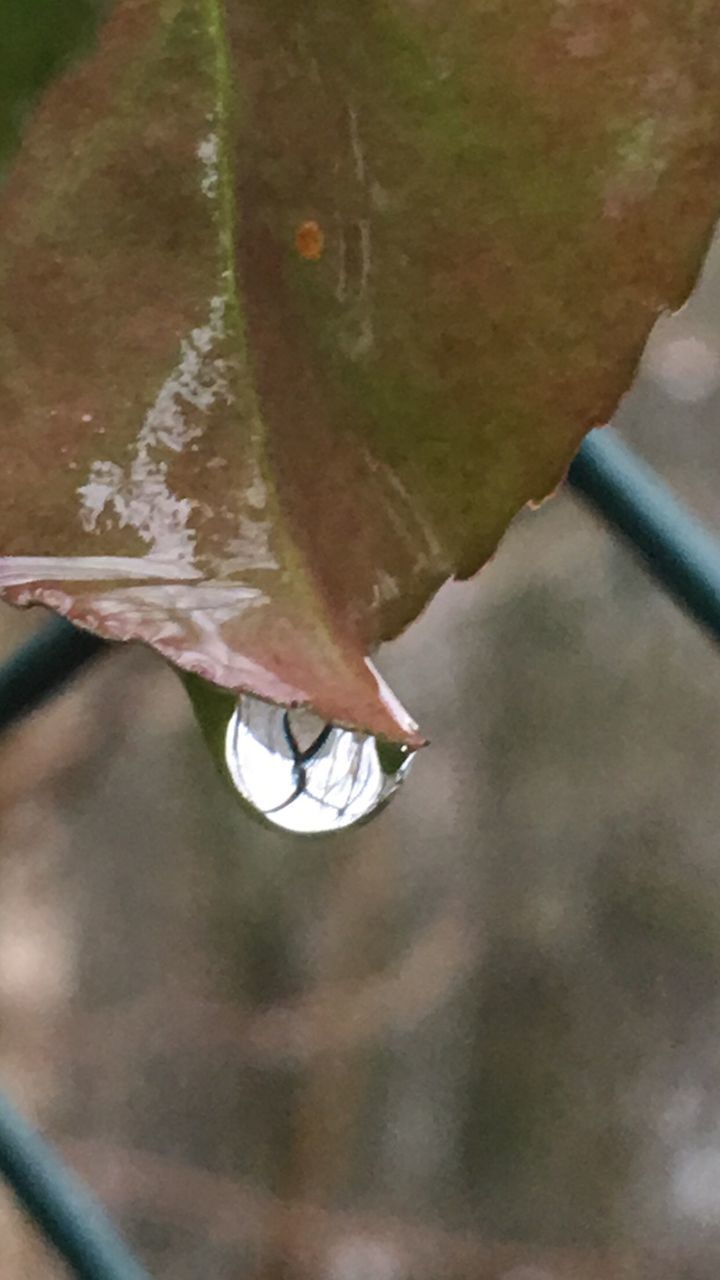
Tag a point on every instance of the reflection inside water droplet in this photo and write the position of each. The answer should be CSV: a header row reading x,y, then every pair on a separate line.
x,y
306,776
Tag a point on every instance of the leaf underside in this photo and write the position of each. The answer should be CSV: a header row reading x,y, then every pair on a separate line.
x,y
301,302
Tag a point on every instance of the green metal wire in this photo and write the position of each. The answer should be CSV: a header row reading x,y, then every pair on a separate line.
x,y
674,545
42,666
58,1203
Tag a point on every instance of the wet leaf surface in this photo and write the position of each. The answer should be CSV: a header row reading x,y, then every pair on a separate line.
x,y
301,304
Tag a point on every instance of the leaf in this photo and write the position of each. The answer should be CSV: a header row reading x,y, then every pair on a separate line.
x,y
302,302
34,47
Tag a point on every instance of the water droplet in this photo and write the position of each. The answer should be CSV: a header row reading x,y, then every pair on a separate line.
x,y
306,776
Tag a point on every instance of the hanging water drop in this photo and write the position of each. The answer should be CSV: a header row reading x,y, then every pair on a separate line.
x,y
306,776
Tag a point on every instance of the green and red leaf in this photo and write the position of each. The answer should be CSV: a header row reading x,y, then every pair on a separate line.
x,y
301,302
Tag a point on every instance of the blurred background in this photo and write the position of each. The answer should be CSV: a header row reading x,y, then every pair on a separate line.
x,y
479,1037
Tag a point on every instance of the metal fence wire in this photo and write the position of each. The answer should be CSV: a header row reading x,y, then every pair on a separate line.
x,y
676,549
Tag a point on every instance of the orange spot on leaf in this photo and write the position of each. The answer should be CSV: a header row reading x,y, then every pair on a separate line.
x,y
310,240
